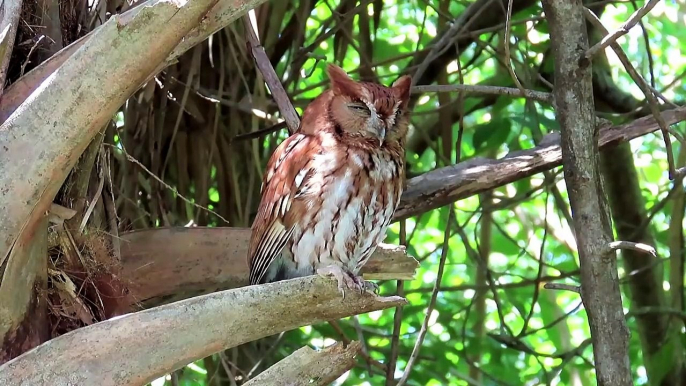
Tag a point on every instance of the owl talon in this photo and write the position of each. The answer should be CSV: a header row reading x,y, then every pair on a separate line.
x,y
347,280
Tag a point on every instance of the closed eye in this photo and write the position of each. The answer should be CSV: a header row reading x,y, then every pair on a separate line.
x,y
359,108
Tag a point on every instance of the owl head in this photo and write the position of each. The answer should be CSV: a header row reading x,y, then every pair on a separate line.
x,y
366,113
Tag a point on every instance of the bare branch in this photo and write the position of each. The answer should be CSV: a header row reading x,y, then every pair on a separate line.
x,y
642,84
638,247
270,78
634,19
432,302
136,348
563,287
573,92
190,261
488,90
438,187
307,367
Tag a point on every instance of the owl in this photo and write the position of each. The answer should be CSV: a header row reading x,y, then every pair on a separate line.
x,y
330,190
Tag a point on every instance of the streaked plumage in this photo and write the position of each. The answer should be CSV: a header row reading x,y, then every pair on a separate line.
x,y
330,190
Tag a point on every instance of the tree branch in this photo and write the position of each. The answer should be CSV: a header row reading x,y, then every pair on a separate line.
x,y
634,19
136,348
573,93
441,186
270,78
487,90
307,367
190,261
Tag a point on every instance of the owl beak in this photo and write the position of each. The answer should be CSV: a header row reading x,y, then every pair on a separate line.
x,y
382,135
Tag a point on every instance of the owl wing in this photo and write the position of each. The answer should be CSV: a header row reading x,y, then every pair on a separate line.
x,y
287,171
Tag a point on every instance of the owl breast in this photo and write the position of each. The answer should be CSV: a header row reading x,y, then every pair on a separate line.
x,y
351,199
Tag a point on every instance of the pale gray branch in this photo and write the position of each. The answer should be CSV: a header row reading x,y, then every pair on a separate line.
x,y
638,247
307,367
137,348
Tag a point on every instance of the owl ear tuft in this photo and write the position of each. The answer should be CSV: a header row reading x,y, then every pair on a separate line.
x,y
341,83
402,87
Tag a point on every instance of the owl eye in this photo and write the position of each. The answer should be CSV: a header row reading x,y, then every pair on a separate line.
x,y
359,108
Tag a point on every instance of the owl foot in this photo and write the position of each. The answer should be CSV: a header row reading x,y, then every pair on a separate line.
x,y
347,280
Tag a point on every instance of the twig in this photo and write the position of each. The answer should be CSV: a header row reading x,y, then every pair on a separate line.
x,y
506,47
638,247
397,318
488,90
641,83
432,302
563,287
270,78
610,38
166,185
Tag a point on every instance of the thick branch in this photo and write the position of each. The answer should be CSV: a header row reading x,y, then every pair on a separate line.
x,y
307,367
44,137
573,93
221,15
438,187
10,12
188,261
136,348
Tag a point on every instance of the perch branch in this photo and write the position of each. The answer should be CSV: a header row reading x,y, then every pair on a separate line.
x,y
136,348
573,93
74,105
270,78
221,15
191,261
307,367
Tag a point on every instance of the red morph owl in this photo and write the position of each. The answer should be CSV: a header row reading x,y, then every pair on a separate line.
x,y
330,190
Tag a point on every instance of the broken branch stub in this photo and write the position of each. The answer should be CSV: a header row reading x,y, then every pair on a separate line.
x,y
137,348
307,367
190,261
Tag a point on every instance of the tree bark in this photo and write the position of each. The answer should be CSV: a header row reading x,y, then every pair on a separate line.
x,y
662,349
137,348
166,264
580,155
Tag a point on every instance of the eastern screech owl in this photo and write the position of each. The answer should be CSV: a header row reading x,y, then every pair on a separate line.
x,y
330,190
